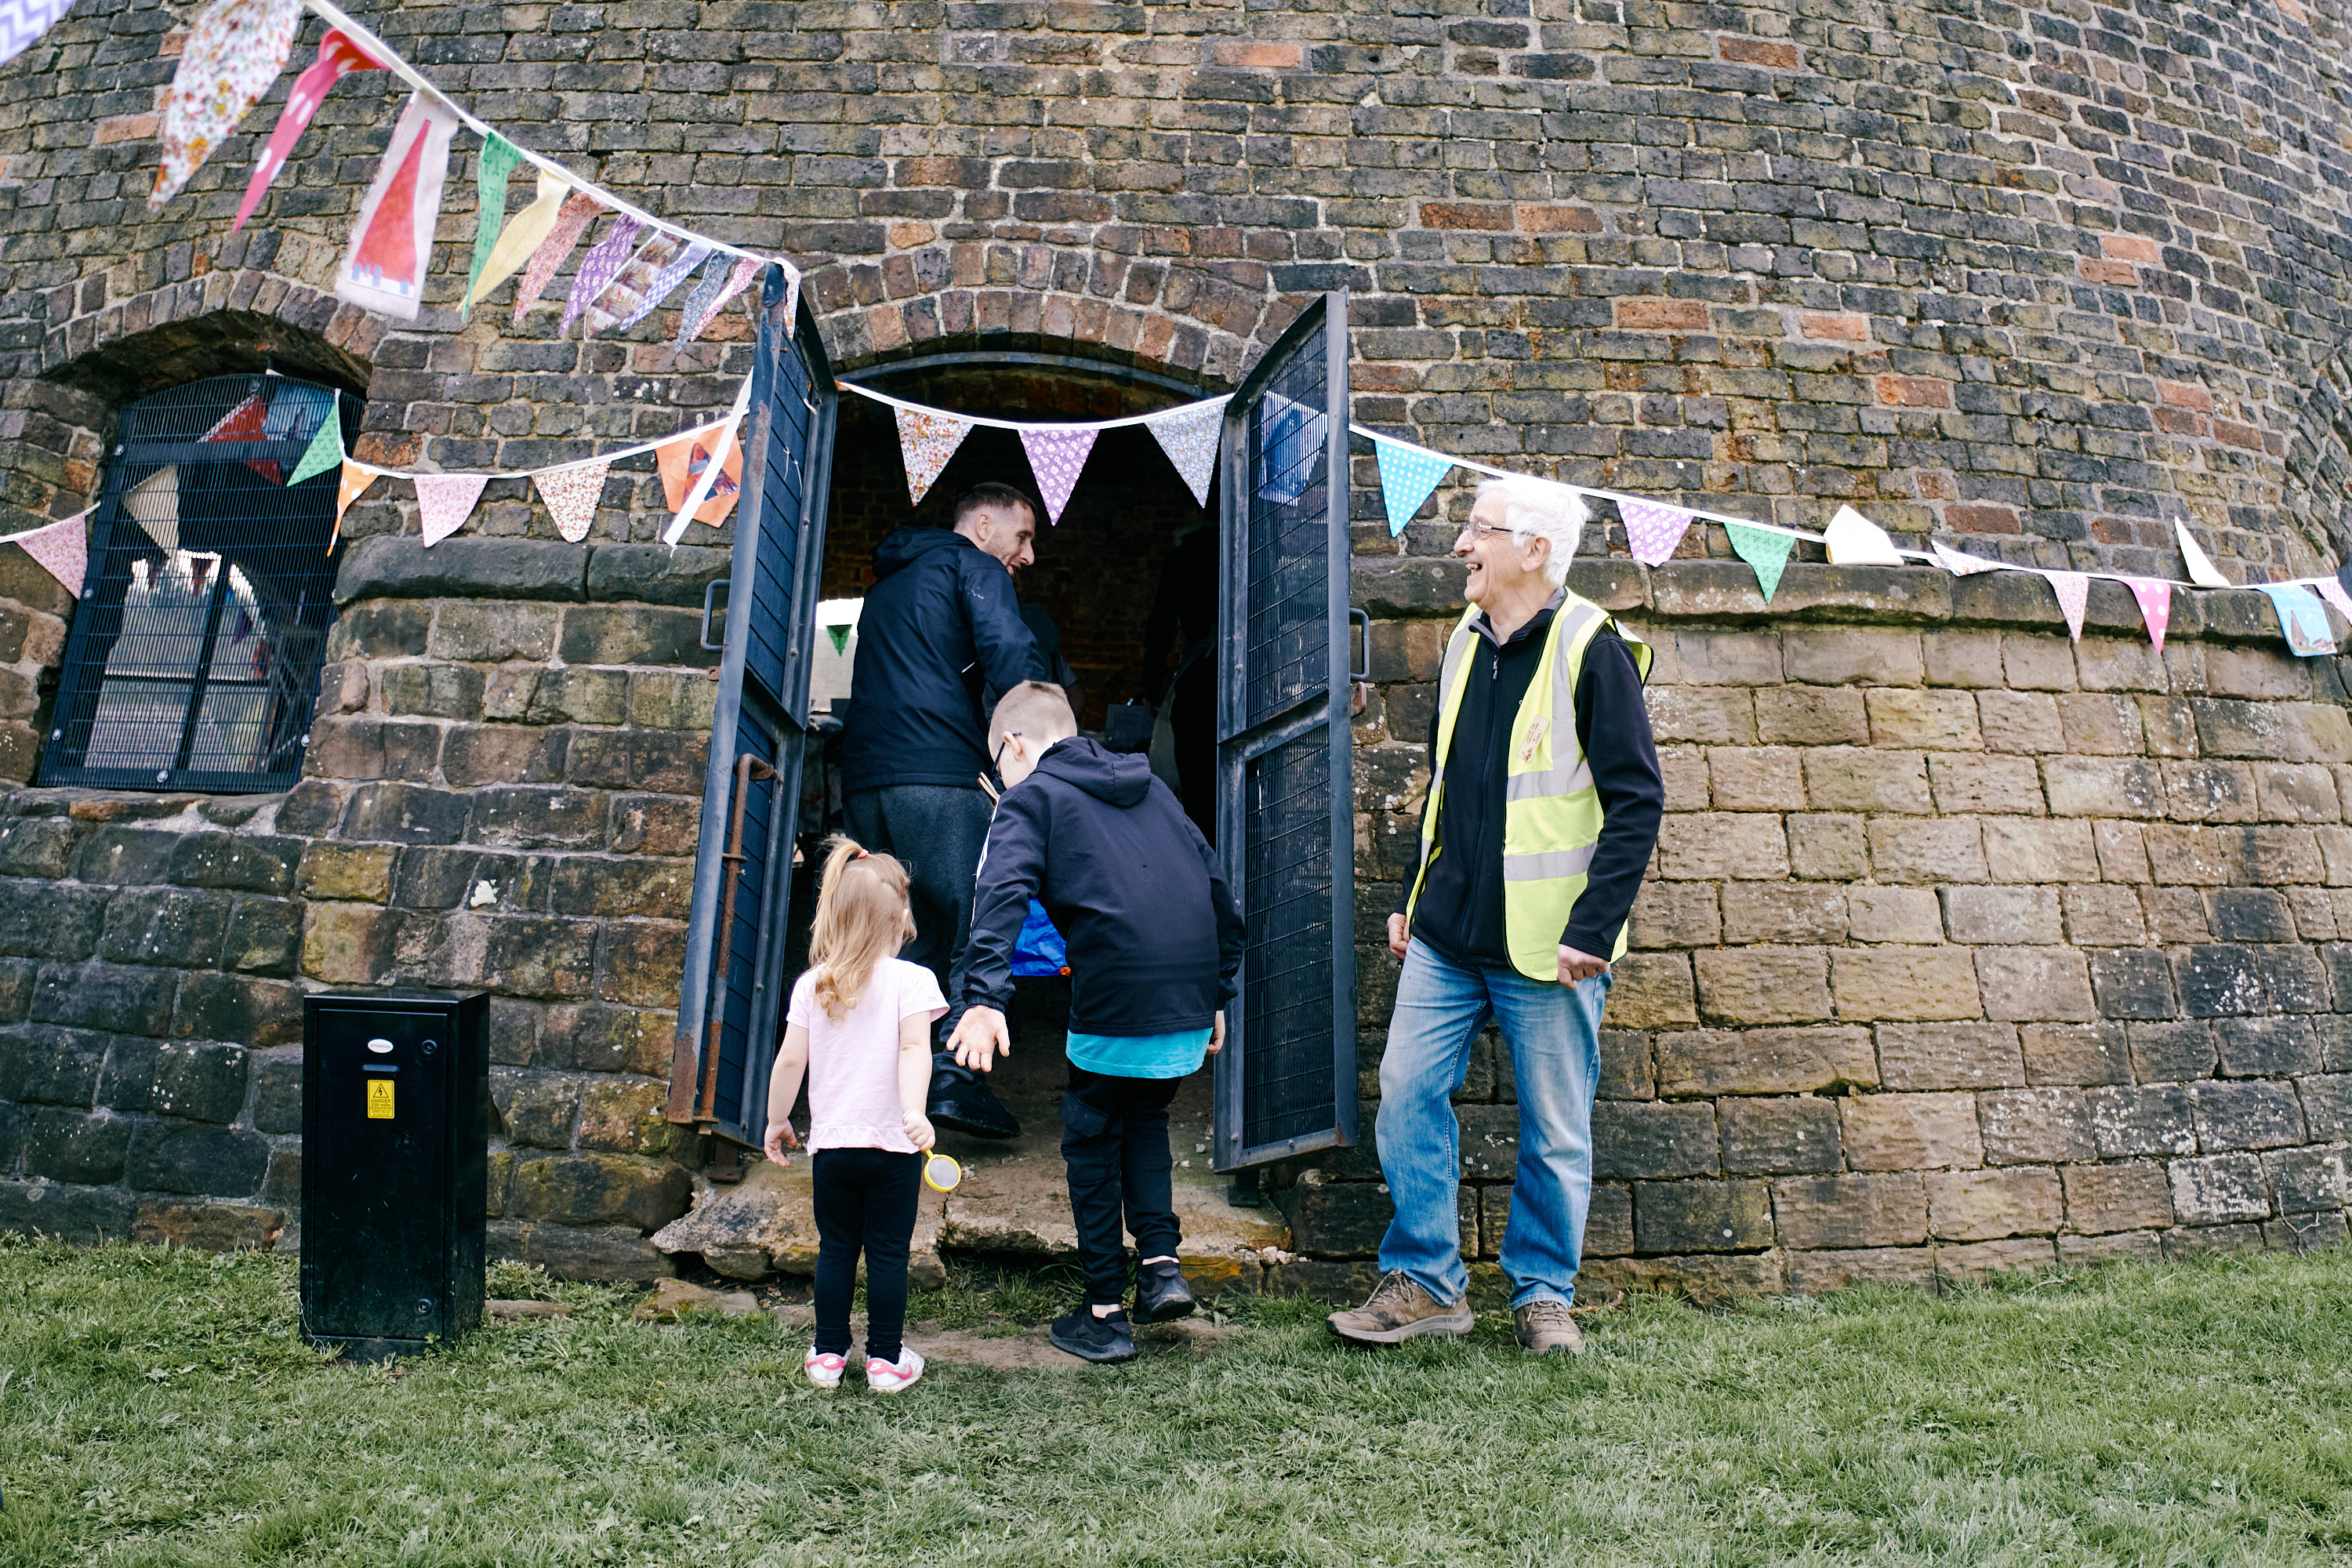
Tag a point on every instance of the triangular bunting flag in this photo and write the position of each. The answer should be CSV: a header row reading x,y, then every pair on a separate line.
x,y
1408,474
22,23
1189,437
660,265
792,294
1056,457
2200,570
62,549
338,58
746,268
598,268
1961,564
684,463
2302,618
926,440
153,504
2073,591
391,243
1854,541
1653,531
571,495
1766,550
495,160
840,635
444,502
572,221
2332,590
702,297
231,55
520,238
349,488
325,450
2155,596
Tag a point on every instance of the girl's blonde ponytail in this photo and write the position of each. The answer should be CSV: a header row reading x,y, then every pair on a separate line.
x,y
862,917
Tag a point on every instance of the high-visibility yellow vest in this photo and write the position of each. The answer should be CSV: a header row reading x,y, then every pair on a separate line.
x,y
1551,813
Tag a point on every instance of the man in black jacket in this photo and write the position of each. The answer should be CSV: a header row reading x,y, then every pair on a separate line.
x,y
939,639
1154,942
1540,725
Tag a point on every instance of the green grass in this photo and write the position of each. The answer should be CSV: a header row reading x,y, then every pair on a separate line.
x,y
156,1407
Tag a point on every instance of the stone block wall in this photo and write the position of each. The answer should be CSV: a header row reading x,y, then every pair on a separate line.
x,y
1965,946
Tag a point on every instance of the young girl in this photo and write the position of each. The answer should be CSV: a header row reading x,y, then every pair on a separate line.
x,y
860,1021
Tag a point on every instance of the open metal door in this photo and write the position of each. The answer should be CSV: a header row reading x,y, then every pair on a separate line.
x,y
1286,1078
731,995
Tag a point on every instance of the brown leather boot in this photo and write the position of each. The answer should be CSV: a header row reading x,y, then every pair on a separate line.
x,y
1399,1310
1543,1326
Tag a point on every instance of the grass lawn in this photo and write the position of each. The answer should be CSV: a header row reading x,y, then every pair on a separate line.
x,y
156,1407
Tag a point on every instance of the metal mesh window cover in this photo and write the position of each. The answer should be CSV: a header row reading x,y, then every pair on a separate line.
x,y
194,658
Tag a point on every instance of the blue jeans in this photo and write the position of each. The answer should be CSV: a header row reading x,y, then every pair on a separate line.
x,y
1554,1032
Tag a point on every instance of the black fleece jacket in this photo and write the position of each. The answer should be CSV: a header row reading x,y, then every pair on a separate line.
x,y
1461,909
1154,937
941,638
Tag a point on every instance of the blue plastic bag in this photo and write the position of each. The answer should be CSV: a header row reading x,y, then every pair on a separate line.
x,y
1039,950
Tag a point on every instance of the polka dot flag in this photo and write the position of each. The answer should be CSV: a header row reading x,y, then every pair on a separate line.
x,y
1407,476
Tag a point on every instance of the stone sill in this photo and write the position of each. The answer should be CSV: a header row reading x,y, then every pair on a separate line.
x,y
1720,592
88,804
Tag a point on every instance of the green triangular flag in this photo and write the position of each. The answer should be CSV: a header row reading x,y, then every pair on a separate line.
x,y
840,635
326,448
1765,550
498,160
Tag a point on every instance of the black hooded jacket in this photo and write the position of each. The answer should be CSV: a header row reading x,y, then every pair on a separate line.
x,y
1135,890
941,638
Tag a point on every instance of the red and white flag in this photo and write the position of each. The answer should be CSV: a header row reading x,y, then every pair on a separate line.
x,y
393,242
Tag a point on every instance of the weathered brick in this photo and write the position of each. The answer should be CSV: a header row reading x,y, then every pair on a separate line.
x,y
1800,716
1852,656
1976,1261
2103,1198
1910,1131
1763,986
1828,848
1894,914
2034,983
1691,1216
2019,721
1755,778
2218,1189
1651,990
1783,911
1856,1210
1763,1061
1977,1206
1948,1055
360,872
2103,916
1779,1137
1632,1138
1867,781
2308,1180
1711,846
2102,786
1927,851
1677,915
1988,783
2151,1121
2002,914
2074,1053
2244,1115
1905,983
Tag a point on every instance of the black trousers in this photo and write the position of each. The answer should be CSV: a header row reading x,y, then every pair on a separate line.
x,y
1115,1140
864,1199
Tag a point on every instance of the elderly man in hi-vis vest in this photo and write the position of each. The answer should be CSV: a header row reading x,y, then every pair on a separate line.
x,y
1544,801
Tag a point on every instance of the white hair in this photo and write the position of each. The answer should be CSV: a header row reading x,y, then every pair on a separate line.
x,y
1536,508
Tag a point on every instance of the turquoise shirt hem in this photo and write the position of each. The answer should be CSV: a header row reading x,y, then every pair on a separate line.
x,y
1179,1055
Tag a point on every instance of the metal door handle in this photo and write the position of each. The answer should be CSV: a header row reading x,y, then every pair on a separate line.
x,y
709,591
1362,620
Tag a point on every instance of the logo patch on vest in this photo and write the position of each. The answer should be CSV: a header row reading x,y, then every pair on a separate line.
x,y
1537,729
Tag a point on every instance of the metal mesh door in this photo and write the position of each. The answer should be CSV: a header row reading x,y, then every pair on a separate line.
x,y
718,1074
194,658
1285,1081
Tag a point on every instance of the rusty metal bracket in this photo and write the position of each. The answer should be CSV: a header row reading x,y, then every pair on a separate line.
x,y
747,768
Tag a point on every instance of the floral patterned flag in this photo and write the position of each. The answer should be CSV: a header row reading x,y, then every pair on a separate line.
x,y
338,58
2332,590
62,549
232,55
2073,591
352,485
2155,596
519,239
1653,531
1961,564
1189,437
2302,618
792,294
1058,454
22,22
571,495
1765,549
926,440
746,268
444,502
701,300
492,166
599,266
391,243
572,221
1408,474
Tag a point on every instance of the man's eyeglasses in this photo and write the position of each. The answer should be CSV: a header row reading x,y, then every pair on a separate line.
x,y
1474,526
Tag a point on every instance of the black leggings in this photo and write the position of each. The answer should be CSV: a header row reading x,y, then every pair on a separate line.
x,y
864,1198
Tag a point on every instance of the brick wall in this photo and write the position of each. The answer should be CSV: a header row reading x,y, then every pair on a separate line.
x,y
1964,947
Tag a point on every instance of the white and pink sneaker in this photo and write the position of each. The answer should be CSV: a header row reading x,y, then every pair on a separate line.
x,y
823,1370
883,1378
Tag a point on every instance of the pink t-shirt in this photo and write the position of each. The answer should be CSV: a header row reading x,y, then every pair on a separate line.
x,y
854,1063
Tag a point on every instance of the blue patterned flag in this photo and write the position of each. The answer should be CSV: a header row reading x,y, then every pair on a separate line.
x,y
1407,476
1765,549
2302,618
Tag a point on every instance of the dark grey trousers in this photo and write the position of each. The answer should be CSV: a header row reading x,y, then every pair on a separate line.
x,y
938,830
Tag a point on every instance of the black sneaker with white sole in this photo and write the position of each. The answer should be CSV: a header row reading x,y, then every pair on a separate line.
x,y
1090,1337
1161,1296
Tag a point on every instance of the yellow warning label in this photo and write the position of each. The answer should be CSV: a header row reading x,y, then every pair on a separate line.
x,y
378,1100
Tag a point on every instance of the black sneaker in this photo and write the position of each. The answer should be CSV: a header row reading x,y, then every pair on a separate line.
x,y
1161,1294
960,1101
1090,1337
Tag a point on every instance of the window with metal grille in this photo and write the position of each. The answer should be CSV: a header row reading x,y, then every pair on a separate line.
x,y
194,658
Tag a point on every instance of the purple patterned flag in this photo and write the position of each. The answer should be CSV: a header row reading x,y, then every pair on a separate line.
x,y
1058,454
22,22
599,266
1653,531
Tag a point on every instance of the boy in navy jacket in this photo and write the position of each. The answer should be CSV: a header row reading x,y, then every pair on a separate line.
x,y
1154,943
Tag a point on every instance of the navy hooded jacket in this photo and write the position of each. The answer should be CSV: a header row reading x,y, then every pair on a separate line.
x,y
1135,890
939,640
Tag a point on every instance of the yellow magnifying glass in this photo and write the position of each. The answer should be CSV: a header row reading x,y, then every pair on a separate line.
x,y
941,1174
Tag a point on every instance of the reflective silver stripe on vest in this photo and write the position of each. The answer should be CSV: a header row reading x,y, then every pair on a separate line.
x,y
1551,863
1548,785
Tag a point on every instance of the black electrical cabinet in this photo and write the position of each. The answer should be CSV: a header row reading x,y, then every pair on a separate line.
x,y
396,1152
